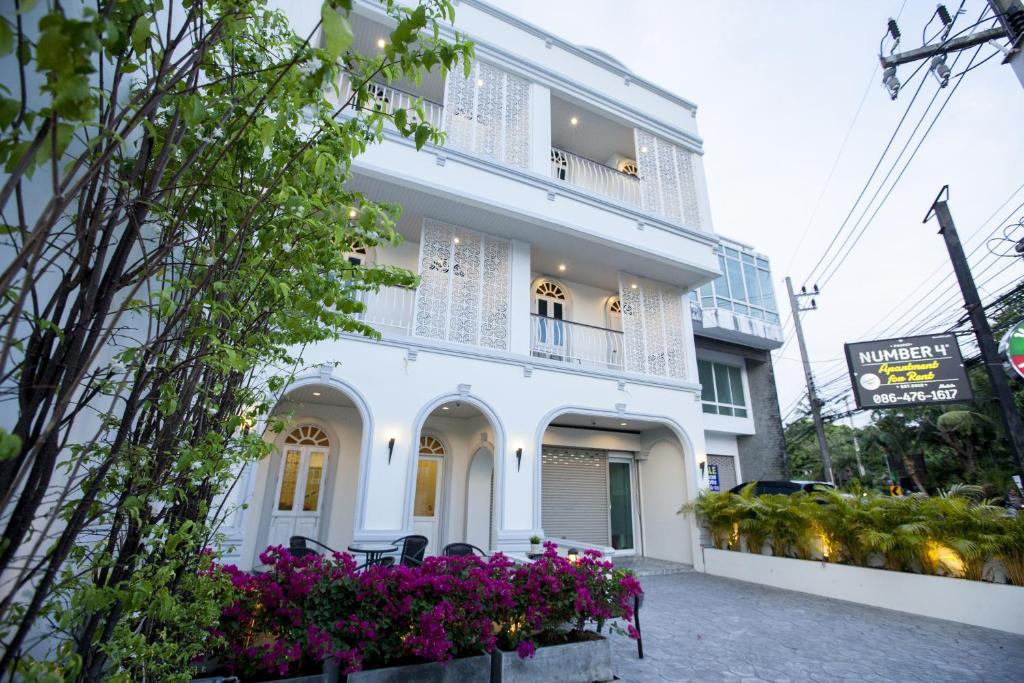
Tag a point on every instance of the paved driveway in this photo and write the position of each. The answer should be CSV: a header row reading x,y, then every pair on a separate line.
x,y
705,628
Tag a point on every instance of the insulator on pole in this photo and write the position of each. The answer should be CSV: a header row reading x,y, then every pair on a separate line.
x,y
894,30
944,15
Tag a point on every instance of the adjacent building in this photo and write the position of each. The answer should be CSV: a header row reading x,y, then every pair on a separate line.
x,y
584,353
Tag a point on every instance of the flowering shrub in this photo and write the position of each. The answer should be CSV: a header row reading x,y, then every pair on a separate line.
x,y
309,609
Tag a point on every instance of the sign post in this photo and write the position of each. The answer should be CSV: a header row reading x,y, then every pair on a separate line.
x,y
924,370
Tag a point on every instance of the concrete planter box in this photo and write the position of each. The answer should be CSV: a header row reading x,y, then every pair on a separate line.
x,y
991,605
590,660
469,669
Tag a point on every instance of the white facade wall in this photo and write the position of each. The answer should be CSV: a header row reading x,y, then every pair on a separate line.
x,y
399,384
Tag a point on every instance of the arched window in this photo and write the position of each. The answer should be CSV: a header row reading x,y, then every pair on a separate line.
x,y
302,470
629,167
431,446
550,300
358,256
613,313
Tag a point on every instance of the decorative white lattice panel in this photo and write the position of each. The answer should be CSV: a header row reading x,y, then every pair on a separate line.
x,y
667,183
489,114
466,279
652,326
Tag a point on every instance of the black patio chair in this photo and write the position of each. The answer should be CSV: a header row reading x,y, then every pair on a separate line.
x,y
462,550
414,547
297,546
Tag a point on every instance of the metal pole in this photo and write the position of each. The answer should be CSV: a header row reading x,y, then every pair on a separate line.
x,y
856,443
812,396
989,352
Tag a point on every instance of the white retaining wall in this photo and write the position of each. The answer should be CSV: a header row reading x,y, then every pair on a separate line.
x,y
978,603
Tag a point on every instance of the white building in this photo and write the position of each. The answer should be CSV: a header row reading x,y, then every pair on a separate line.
x,y
545,378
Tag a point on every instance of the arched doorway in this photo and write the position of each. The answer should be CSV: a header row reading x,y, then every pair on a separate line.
x,y
550,311
614,481
451,485
300,483
309,484
427,505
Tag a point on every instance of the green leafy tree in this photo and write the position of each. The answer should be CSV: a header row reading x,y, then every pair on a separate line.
x,y
175,221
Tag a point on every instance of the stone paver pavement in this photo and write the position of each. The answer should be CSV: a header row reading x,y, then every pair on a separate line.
x,y
705,628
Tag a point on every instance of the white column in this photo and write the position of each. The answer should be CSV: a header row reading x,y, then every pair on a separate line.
x,y
519,495
519,299
540,129
701,186
381,505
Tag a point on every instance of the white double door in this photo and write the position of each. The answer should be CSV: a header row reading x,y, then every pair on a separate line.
x,y
299,499
426,513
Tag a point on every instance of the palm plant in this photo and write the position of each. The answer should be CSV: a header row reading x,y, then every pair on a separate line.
x,y
842,520
967,525
719,513
1009,549
898,531
787,522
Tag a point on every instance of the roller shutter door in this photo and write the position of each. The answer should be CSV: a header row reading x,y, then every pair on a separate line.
x,y
574,495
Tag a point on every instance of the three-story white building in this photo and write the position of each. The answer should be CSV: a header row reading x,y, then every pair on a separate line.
x,y
569,365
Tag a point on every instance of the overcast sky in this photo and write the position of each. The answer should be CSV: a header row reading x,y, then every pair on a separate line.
x,y
778,85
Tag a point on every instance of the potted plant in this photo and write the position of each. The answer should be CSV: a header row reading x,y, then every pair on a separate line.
x,y
546,636
535,545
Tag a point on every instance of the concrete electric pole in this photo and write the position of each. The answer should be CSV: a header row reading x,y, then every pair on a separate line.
x,y
856,442
1010,14
1012,421
812,396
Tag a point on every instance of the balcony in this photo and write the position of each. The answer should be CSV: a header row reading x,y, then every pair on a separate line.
x,y
389,310
576,343
388,98
597,178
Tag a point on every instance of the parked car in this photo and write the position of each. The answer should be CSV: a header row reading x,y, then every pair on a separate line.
x,y
784,487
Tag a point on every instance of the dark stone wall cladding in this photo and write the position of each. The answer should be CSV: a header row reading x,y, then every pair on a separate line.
x,y
763,454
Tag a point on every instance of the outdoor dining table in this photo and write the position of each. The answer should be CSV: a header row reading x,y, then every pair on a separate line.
x,y
374,552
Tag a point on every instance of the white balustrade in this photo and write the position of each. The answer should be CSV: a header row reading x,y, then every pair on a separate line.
x,y
389,310
576,343
387,99
603,180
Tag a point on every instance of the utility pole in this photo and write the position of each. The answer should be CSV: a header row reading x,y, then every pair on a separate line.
x,y
856,443
1010,14
1012,421
812,396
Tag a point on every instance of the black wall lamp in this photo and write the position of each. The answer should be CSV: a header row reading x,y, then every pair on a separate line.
x,y
391,448
519,458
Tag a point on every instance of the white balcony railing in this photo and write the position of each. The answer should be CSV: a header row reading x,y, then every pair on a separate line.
x,y
389,310
576,343
387,99
603,180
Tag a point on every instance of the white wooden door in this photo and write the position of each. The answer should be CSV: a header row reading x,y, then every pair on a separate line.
x,y
426,514
299,496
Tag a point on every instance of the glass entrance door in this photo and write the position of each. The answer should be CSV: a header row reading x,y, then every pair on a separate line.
x,y
620,503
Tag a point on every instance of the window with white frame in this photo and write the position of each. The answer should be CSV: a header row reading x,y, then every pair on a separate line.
x,y
721,388
745,286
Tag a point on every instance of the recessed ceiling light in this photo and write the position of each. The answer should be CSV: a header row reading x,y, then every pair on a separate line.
x,y
381,43
623,423
316,393
479,82
633,286
574,120
561,266
444,407
456,240
643,148
352,213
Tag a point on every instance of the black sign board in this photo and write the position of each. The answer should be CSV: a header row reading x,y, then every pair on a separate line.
x,y
925,370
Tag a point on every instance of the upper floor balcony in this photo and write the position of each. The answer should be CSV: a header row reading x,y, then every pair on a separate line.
x,y
497,295
525,141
